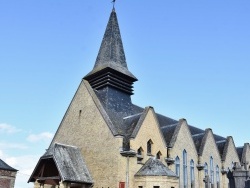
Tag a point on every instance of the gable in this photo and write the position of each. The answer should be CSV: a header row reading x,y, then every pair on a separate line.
x,y
148,129
182,140
230,154
209,148
61,163
84,111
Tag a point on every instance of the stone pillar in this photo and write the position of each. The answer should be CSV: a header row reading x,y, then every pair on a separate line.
x,y
64,184
206,180
37,185
239,177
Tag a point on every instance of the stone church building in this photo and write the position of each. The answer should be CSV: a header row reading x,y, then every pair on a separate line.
x,y
106,141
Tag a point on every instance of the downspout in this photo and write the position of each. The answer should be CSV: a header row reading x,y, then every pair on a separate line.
x,y
127,152
127,173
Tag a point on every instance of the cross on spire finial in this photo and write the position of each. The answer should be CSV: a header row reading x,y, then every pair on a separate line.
x,y
113,1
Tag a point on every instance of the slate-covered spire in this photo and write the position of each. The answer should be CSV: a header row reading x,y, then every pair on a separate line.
x,y
110,68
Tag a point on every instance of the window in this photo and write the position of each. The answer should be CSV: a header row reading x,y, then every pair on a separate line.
x,y
177,166
185,174
158,155
140,186
205,169
139,155
192,175
149,147
156,186
212,170
217,175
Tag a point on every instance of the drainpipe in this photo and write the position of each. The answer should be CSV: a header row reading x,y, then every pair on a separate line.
x,y
127,173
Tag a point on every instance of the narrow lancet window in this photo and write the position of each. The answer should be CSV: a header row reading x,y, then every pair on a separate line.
x,y
185,174
212,170
139,155
177,166
158,155
149,147
218,176
206,169
192,175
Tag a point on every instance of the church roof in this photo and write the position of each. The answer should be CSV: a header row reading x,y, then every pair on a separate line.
x,y
5,166
154,167
69,162
111,53
123,117
240,152
221,147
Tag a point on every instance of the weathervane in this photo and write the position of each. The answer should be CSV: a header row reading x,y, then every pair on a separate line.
x,y
113,1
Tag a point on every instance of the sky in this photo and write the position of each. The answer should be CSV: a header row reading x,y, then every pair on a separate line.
x,y
192,60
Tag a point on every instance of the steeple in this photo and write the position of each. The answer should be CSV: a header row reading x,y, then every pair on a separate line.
x,y
110,68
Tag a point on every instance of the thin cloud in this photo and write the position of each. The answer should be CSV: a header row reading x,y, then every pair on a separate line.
x,y
6,128
5,145
44,136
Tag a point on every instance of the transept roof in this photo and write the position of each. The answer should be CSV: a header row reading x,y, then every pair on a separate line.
x,y
154,167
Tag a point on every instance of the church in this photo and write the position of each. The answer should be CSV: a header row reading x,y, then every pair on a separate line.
x,y
106,141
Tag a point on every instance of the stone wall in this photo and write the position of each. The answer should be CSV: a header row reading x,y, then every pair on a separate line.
x,y
149,130
7,179
151,181
84,126
183,142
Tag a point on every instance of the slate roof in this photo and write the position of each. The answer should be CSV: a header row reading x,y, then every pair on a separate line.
x,y
111,53
123,114
221,145
197,138
125,118
240,152
154,167
69,162
168,132
5,166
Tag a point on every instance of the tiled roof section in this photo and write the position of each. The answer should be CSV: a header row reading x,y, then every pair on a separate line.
x,y
123,114
154,167
218,138
139,122
240,152
5,166
197,138
168,127
111,53
70,163
221,146
195,130
164,121
169,132
226,148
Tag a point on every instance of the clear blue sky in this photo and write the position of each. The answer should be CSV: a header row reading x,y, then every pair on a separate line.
x,y
192,59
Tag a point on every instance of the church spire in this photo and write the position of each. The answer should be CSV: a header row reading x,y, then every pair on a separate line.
x,y
110,68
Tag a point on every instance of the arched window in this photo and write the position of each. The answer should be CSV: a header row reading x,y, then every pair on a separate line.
x,y
212,170
192,175
217,175
158,155
177,166
149,147
205,169
185,174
